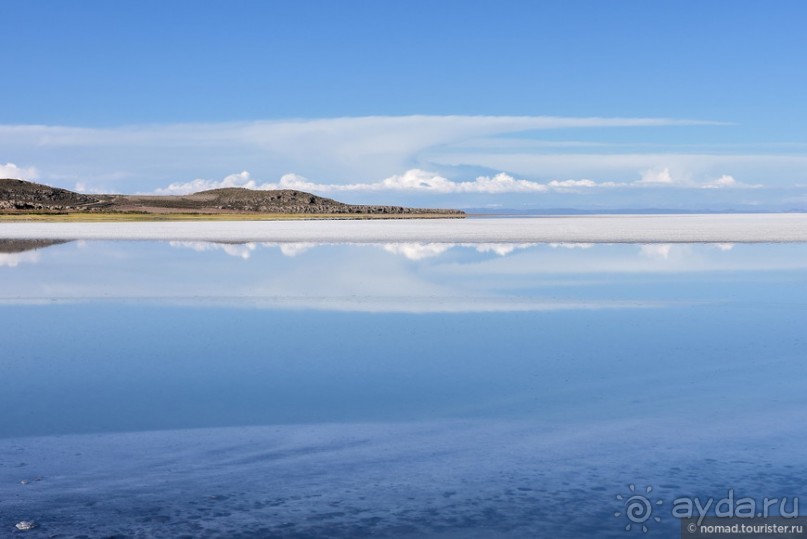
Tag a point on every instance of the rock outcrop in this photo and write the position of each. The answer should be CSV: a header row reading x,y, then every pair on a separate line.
x,y
21,196
27,196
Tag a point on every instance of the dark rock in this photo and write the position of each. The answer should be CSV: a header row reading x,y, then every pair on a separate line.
x,y
17,196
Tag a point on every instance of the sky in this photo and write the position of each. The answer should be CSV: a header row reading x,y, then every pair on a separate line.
x,y
507,104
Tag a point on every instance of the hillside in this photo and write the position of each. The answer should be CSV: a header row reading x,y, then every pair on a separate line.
x,y
21,195
17,196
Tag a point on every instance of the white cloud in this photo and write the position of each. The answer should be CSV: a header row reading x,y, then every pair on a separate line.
x,y
571,186
82,187
12,171
421,180
417,180
373,133
572,183
429,155
656,176
683,169
413,180
340,149
726,181
233,180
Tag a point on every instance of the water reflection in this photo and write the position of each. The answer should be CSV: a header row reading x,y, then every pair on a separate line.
x,y
12,260
410,250
24,250
16,252
397,389
238,250
396,276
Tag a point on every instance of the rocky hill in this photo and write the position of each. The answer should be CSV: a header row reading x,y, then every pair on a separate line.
x,y
17,196
22,195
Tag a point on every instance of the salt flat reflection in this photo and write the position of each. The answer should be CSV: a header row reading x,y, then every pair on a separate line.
x,y
16,252
229,383
410,250
390,277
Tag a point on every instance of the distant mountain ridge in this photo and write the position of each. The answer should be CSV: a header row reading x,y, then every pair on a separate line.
x,y
18,196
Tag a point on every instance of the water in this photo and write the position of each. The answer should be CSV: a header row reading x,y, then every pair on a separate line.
x,y
162,389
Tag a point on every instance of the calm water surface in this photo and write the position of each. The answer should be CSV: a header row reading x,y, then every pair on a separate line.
x,y
400,390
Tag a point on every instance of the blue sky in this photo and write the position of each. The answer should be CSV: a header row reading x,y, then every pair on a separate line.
x,y
650,104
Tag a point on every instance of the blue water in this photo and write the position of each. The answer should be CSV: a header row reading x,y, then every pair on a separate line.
x,y
248,390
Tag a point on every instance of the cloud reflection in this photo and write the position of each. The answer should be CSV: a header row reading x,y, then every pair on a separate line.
x,y
292,249
16,252
571,245
12,260
661,250
410,250
238,250
380,277
417,251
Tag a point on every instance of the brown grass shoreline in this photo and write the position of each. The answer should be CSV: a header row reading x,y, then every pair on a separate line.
x,y
158,217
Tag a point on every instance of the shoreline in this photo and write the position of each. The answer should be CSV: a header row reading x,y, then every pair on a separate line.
x,y
684,228
143,217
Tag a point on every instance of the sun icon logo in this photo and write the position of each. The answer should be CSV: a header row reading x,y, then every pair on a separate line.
x,y
638,508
